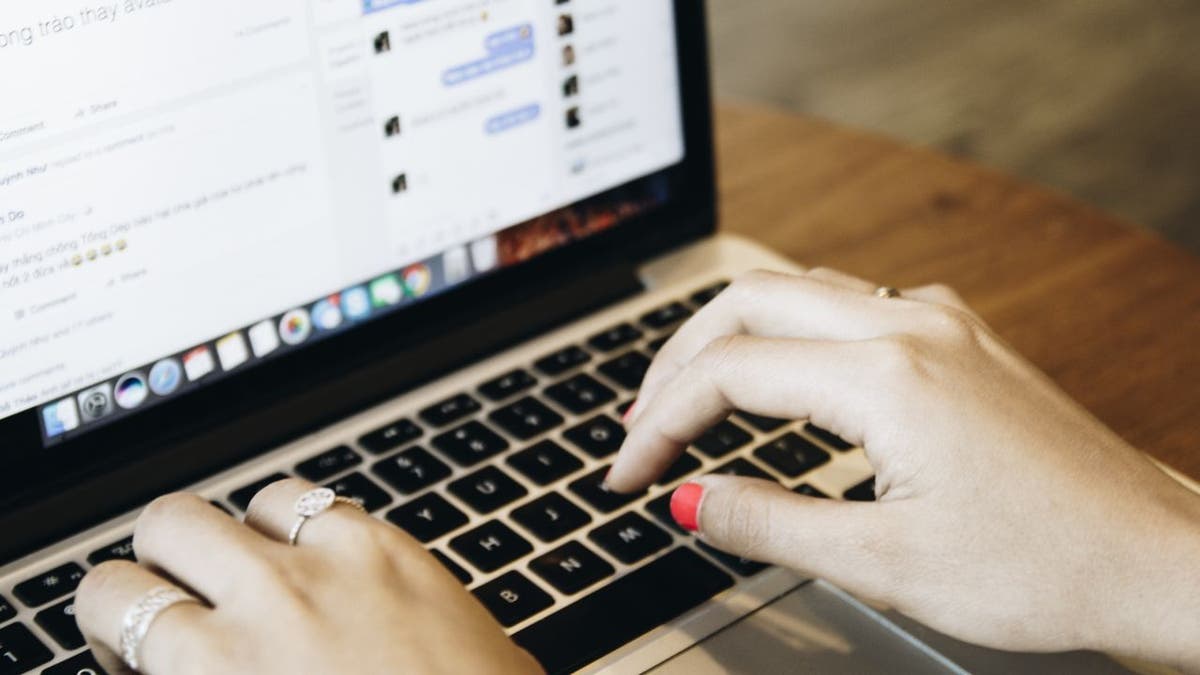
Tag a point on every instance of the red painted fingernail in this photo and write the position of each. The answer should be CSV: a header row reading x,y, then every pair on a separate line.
x,y
629,412
685,506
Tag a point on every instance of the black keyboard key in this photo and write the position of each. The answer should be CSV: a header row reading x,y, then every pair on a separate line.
x,y
615,337
563,360
451,410
767,424
463,576
627,370
120,550
744,468
59,622
328,464
526,418
599,437
390,437
655,346
591,489
705,295
686,464
7,611
863,492
828,437
360,488
666,316
660,508
80,664
580,394
490,546
487,489
470,444
20,651
50,585
545,462
512,598
427,517
571,567
551,517
740,566
809,491
792,454
508,384
722,439
623,610
623,409
411,471
630,538
242,496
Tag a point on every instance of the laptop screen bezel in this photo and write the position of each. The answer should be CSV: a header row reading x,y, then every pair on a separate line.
x,y
35,474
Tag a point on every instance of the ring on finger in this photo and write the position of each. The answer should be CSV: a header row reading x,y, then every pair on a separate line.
x,y
312,504
887,292
141,616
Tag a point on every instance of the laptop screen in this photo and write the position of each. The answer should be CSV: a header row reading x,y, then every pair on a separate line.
x,y
189,188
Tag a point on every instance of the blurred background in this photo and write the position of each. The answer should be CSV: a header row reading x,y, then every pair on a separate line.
x,y
1097,98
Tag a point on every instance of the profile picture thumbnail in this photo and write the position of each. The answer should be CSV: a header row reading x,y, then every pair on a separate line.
x,y
568,55
383,43
566,24
400,184
573,119
571,86
392,126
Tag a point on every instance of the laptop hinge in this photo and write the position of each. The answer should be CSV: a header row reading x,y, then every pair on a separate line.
x,y
528,309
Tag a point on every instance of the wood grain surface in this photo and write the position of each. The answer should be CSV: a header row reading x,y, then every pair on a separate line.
x,y
1111,312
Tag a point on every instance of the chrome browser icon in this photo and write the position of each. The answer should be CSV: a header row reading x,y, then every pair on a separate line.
x,y
295,327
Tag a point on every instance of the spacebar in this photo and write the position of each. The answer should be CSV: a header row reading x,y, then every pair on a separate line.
x,y
627,608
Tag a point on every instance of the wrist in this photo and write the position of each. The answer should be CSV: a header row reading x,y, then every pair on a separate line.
x,y
1155,609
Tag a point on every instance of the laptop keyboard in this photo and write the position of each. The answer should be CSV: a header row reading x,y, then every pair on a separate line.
x,y
504,485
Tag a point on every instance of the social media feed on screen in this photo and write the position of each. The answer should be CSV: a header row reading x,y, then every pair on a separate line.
x,y
253,177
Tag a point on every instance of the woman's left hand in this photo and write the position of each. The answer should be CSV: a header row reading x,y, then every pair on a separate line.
x,y
354,595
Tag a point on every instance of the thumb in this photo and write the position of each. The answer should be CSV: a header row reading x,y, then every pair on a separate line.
x,y
847,543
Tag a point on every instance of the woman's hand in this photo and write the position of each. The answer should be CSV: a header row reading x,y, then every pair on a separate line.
x,y
1006,514
355,595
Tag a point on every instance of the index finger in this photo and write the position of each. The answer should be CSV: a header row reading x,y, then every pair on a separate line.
x,y
793,379
770,304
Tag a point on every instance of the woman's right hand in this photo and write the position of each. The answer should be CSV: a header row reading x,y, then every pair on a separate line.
x,y
1007,515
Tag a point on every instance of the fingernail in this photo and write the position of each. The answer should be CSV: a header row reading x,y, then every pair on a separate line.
x,y
629,412
685,506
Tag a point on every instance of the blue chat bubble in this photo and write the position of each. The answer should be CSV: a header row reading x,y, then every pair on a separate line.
x,y
513,118
488,65
505,48
509,38
370,6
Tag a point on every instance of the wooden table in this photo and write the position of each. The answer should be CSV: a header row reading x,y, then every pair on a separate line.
x,y
1110,311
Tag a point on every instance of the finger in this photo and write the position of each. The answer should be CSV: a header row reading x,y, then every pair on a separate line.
x,y
792,379
769,304
848,543
109,662
183,536
938,294
842,280
184,633
272,512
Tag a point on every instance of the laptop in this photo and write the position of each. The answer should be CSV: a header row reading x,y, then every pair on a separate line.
x,y
419,252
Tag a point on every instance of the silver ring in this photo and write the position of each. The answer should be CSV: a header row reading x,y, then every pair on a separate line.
x,y
312,504
139,618
886,292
